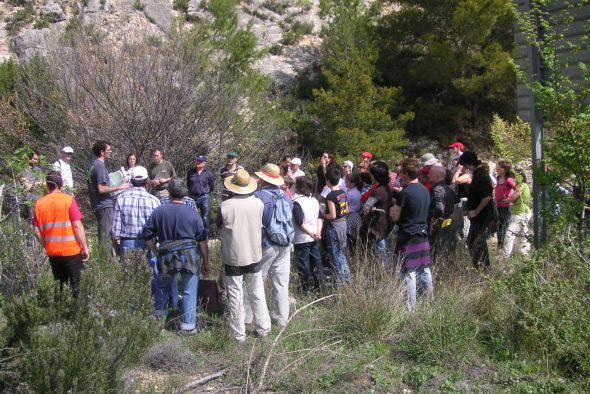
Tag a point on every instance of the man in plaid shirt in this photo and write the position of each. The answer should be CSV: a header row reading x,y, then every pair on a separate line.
x,y
132,209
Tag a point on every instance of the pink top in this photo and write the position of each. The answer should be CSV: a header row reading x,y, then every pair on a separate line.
x,y
504,190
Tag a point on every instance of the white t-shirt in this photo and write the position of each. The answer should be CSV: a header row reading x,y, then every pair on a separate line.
x,y
66,172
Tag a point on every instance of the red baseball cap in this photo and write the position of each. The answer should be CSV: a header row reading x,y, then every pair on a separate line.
x,y
457,145
368,155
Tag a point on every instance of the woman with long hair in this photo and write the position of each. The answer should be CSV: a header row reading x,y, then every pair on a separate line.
x,y
505,187
130,164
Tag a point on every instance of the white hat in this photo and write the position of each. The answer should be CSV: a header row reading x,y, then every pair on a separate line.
x,y
296,161
139,173
348,163
67,149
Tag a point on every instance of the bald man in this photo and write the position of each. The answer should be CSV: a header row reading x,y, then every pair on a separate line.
x,y
442,205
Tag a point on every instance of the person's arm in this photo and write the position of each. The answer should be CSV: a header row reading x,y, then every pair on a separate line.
x,y
331,214
438,202
116,227
81,237
219,218
103,189
152,246
211,182
517,193
204,248
320,224
38,235
482,204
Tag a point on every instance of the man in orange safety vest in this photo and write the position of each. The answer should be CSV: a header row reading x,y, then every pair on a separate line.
x,y
58,227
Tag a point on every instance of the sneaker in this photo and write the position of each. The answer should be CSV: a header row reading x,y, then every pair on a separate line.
x,y
188,332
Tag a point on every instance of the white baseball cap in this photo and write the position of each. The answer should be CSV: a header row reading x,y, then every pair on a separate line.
x,y
67,149
296,161
140,173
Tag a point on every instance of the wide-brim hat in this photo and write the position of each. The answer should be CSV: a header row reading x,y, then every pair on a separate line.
x,y
428,159
240,183
271,174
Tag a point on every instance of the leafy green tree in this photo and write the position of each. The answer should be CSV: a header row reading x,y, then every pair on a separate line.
x,y
563,103
350,113
453,60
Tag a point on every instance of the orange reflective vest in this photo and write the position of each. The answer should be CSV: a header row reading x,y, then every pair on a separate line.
x,y
52,214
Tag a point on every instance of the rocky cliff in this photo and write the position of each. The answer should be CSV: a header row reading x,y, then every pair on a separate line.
x,y
287,30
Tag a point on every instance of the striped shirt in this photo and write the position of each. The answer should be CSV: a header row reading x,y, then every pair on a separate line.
x,y
189,202
132,209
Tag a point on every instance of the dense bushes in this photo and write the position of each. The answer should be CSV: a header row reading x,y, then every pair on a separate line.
x,y
59,344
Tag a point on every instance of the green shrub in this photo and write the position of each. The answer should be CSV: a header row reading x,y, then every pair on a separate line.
x,y
276,49
444,331
9,70
41,23
83,345
181,5
138,5
371,308
510,140
550,309
276,6
20,18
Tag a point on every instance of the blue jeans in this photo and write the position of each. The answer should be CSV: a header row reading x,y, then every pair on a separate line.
x,y
203,207
190,287
134,244
504,219
380,250
308,257
337,255
409,278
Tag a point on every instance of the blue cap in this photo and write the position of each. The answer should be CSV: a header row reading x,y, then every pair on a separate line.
x,y
202,158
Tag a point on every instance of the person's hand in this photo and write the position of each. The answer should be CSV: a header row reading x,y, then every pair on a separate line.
x,y
323,162
116,246
164,180
507,200
394,212
317,236
85,254
125,186
205,268
471,214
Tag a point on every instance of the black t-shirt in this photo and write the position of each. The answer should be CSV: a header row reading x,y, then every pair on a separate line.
x,y
338,197
414,201
480,188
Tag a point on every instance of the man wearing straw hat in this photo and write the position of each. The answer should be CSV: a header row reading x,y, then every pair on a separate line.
x,y
275,258
240,220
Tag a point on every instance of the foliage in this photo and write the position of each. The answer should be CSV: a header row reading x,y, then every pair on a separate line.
x,y
9,72
20,18
510,140
562,100
296,33
41,23
137,4
176,95
181,5
350,113
63,344
452,60
549,308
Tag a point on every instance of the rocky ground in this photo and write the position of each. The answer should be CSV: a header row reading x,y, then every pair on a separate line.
x,y
287,30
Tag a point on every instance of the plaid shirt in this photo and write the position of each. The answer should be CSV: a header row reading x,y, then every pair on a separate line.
x,y
132,209
189,202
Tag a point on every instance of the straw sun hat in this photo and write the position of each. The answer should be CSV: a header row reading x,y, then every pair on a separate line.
x,y
241,183
271,174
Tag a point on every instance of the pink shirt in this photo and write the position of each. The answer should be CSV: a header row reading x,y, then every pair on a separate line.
x,y
504,190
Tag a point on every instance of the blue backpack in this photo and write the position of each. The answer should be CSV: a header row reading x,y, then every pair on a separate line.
x,y
280,231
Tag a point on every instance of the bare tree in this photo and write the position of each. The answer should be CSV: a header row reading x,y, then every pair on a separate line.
x,y
147,92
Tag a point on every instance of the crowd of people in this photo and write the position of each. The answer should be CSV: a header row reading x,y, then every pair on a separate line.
x,y
409,216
